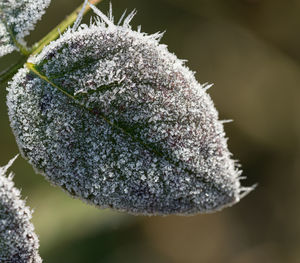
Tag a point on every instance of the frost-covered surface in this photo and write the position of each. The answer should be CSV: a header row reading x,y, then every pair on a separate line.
x,y
19,17
18,242
140,133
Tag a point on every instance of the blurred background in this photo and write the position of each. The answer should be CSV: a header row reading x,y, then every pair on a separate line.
x,y
250,50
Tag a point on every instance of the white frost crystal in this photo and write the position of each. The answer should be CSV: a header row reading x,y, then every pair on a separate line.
x,y
17,18
114,118
18,242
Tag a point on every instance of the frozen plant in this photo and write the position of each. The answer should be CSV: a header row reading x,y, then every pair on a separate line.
x,y
112,117
18,241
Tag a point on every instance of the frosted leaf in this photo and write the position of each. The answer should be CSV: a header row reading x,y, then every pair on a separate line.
x,y
17,18
112,117
18,242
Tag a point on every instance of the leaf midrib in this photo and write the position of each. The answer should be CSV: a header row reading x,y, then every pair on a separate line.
x,y
32,68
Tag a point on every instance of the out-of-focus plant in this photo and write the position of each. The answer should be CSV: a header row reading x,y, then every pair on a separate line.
x,y
18,242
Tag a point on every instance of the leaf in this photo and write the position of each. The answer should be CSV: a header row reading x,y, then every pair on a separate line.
x,y
18,242
111,116
17,18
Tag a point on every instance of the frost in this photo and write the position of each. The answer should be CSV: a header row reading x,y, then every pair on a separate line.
x,y
17,18
112,117
18,242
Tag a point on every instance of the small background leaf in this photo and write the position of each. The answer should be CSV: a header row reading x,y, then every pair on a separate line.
x,y
18,241
17,18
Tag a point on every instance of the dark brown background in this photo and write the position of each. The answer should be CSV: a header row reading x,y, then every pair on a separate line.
x,y
250,50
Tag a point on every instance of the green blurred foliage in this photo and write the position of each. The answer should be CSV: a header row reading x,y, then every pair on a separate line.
x,y
250,50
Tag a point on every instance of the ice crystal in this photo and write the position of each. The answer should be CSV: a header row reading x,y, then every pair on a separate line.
x,y
18,242
17,18
111,116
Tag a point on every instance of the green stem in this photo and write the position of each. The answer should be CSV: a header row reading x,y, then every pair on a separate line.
x,y
54,34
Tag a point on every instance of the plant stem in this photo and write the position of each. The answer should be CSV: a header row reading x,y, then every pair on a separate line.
x,y
54,33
